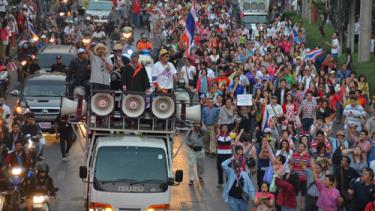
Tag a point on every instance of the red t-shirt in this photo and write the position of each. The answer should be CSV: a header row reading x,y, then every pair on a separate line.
x,y
136,7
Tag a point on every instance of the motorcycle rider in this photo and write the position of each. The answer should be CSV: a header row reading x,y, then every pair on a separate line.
x,y
32,128
18,157
143,44
5,107
14,136
58,66
41,183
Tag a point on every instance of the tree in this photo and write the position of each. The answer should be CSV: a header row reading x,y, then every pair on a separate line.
x,y
365,31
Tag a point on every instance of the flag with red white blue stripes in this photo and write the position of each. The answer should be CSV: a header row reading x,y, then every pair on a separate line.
x,y
311,55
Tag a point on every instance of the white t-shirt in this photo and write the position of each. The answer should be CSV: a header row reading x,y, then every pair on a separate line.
x,y
210,73
3,5
162,76
188,72
276,108
335,42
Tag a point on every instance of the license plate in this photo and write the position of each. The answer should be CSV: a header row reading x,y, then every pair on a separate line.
x,y
45,125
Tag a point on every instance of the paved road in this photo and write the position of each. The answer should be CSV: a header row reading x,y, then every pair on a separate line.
x,y
70,196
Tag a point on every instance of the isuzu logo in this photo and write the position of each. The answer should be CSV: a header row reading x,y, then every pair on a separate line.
x,y
137,189
44,111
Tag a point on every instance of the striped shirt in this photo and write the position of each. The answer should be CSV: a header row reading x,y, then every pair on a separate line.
x,y
224,144
311,188
295,161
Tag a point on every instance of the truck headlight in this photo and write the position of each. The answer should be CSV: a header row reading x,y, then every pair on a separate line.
x,y
100,207
158,207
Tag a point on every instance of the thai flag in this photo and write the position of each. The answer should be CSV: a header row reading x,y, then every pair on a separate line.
x,y
266,119
311,55
191,22
12,66
294,35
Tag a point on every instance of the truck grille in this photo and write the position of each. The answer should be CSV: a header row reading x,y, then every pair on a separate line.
x,y
45,111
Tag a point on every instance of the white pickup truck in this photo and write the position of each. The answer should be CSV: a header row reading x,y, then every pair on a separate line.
x,y
129,173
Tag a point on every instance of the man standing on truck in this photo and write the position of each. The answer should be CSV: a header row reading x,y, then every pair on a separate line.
x,y
196,155
101,67
134,75
163,73
79,70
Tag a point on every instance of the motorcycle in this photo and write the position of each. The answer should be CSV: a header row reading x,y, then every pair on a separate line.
x,y
31,148
16,176
41,201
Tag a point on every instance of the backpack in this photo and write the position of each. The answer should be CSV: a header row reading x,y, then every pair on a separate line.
x,y
337,155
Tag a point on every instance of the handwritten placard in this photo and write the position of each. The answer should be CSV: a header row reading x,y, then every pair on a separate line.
x,y
244,100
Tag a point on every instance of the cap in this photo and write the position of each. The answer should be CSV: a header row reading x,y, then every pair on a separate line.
x,y
275,97
340,133
58,57
163,51
298,57
43,36
81,50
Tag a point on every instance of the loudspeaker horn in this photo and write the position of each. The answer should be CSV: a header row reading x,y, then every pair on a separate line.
x,y
163,107
102,104
79,91
132,105
69,106
192,113
182,96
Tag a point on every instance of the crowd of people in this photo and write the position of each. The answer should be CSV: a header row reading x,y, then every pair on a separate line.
x,y
308,137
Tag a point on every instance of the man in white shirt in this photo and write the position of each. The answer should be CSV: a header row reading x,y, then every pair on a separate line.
x,y
163,73
274,109
188,72
335,46
3,7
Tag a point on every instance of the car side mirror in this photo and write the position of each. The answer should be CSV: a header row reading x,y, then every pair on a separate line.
x,y
15,93
179,176
83,172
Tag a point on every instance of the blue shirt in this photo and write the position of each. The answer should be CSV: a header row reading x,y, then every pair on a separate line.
x,y
230,174
210,116
343,74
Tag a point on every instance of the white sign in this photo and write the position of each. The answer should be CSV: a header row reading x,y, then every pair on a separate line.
x,y
244,100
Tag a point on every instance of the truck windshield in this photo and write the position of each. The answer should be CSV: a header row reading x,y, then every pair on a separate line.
x,y
130,164
248,19
44,89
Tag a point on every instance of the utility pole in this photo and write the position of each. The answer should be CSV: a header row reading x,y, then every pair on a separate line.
x,y
365,31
